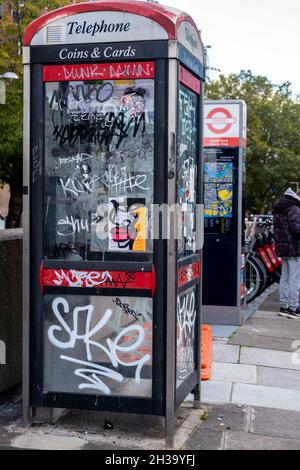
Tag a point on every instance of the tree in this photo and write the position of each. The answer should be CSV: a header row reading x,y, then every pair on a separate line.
x,y
273,149
16,16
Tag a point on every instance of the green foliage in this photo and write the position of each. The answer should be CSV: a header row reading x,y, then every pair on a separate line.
x,y
11,113
273,153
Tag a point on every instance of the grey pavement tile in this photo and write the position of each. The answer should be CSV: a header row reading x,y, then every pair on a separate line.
x,y
252,340
106,446
223,331
272,306
277,327
205,439
281,378
267,315
222,417
247,441
30,440
225,352
268,358
237,373
277,423
269,397
216,392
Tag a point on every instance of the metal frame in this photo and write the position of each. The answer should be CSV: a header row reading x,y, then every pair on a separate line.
x,y
26,244
149,405
171,282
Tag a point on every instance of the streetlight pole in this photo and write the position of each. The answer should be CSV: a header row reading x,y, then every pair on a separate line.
x,y
7,76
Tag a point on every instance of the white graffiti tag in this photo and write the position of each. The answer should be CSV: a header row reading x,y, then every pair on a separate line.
x,y
75,278
114,349
186,318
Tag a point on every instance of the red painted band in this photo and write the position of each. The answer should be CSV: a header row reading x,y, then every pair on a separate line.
x,y
188,273
97,279
108,71
189,80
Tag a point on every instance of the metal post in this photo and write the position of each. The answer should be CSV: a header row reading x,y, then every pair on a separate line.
x,y
26,243
171,260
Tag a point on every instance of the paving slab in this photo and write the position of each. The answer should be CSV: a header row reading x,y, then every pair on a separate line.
x,y
223,331
225,352
277,423
282,378
213,391
247,441
269,358
220,417
31,440
267,315
252,340
276,327
238,373
205,439
272,306
268,397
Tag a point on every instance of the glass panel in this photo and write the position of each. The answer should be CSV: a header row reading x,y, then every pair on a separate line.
x,y
187,167
98,345
186,321
99,150
219,171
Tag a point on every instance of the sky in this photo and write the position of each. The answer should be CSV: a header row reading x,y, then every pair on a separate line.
x,y
260,35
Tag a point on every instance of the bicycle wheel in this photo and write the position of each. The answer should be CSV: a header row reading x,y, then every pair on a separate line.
x,y
265,275
255,278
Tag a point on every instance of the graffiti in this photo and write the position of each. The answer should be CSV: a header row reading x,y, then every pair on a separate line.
x,y
112,178
120,178
76,186
186,318
87,72
78,159
138,70
127,224
96,278
188,273
77,278
77,96
99,146
114,350
126,309
100,132
36,164
72,225
187,111
187,167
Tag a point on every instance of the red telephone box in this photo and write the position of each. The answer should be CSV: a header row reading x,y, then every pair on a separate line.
x,y
113,98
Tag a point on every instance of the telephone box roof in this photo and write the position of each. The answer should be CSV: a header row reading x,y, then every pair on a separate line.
x,y
167,17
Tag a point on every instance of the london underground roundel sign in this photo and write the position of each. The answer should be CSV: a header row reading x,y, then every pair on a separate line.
x,y
221,124
220,120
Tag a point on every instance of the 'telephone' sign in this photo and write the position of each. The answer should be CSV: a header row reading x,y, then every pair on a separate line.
x,y
222,125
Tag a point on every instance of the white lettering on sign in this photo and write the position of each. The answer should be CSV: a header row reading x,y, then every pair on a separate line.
x,y
101,26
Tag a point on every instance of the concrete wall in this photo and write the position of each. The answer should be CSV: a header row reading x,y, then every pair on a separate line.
x,y
10,308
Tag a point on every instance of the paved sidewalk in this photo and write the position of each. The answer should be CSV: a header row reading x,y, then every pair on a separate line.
x,y
252,401
260,364
231,427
